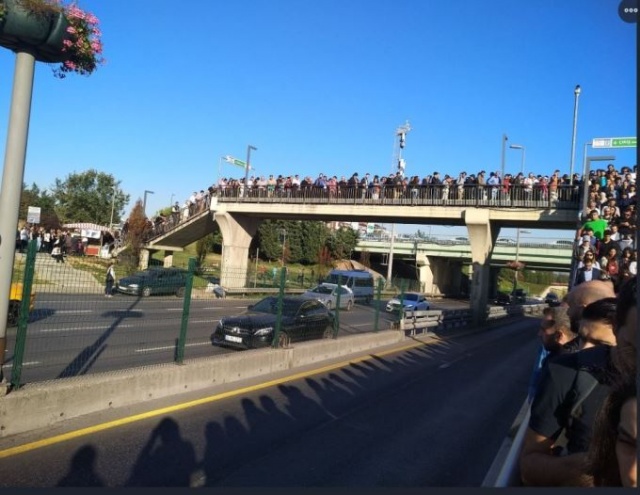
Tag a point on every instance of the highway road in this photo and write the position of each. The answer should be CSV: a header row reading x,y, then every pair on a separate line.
x,y
73,335
433,415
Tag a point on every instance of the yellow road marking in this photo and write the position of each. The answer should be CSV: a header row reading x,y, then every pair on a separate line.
x,y
27,447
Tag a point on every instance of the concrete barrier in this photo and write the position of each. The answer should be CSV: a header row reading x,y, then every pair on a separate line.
x,y
47,404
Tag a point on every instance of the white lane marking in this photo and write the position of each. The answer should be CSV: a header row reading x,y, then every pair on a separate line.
x,y
203,321
169,347
29,363
209,307
72,311
66,329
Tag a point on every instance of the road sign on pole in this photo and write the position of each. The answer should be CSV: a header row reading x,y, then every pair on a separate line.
x,y
615,142
235,161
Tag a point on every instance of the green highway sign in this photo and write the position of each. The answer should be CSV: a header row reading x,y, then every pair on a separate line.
x,y
234,161
616,142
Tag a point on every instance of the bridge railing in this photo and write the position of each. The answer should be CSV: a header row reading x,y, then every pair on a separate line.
x,y
566,197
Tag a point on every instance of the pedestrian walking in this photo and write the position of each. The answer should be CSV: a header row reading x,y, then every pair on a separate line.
x,y
110,280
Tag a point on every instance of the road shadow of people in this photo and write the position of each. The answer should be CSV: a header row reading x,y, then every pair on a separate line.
x,y
82,469
165,460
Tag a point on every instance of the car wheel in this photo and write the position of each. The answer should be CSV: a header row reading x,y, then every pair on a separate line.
x,y
283,340
180,292
349,305
146,291
328,333
14,313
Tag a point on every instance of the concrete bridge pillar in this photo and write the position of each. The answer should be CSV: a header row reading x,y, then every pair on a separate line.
x,y
168,258
143,264
481,240
425,274
237,233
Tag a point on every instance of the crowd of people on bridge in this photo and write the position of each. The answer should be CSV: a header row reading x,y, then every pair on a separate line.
x,y
480,186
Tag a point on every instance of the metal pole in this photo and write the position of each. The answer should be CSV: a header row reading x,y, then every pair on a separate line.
x,y
144,204
504,144
113,204
515,271
576,94
522,164
248,165
390,259
12,180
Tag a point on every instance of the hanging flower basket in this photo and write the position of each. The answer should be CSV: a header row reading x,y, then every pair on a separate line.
x,y
52,33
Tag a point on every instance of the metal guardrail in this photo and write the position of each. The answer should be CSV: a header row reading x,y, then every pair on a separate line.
x,y
417,322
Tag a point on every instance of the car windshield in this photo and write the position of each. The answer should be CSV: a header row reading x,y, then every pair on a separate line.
x,y
322,289
270,305
411,297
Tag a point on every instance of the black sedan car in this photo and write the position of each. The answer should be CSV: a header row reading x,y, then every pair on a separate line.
x,y
154,281
302,319
552,299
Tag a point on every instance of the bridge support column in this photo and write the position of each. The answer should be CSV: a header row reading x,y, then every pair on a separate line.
x,y
481,241
168,258
237,233
144,259
425,273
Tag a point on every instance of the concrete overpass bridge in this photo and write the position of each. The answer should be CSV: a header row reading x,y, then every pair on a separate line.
x,y
238,216
439,260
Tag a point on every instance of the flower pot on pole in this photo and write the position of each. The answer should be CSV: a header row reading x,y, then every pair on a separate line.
x,y
40,33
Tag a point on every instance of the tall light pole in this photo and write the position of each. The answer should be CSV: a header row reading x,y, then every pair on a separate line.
x,y
113,204
144,204
515,270
504,144
519,147
283,233
248,165
401,136
576,95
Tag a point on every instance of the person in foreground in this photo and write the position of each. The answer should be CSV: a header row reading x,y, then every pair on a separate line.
x,y
612,459
571,390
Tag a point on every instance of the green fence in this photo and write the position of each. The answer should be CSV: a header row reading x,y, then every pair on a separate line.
x,y
73,329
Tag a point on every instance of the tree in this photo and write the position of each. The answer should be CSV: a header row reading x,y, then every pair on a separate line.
x,y
137,229
89,197
342,242
33,196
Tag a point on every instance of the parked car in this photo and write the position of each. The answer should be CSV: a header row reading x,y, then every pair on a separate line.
x,y
506,240
15,300
552,299
327,294
155,280
503,299
519,296
302,319
412,301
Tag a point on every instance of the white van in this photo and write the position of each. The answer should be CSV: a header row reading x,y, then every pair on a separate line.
x,y
359,281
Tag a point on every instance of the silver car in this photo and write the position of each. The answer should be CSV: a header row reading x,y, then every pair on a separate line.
x,y
327,294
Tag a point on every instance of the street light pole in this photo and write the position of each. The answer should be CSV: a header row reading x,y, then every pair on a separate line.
x,y
283,233
576,95
113,204
519,147
248,165
504,144
515,271
144,204
401,134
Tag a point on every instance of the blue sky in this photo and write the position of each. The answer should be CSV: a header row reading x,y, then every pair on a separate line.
x,y
322,86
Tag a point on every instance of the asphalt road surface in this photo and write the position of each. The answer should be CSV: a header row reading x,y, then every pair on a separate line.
x,y
76,335
431,416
